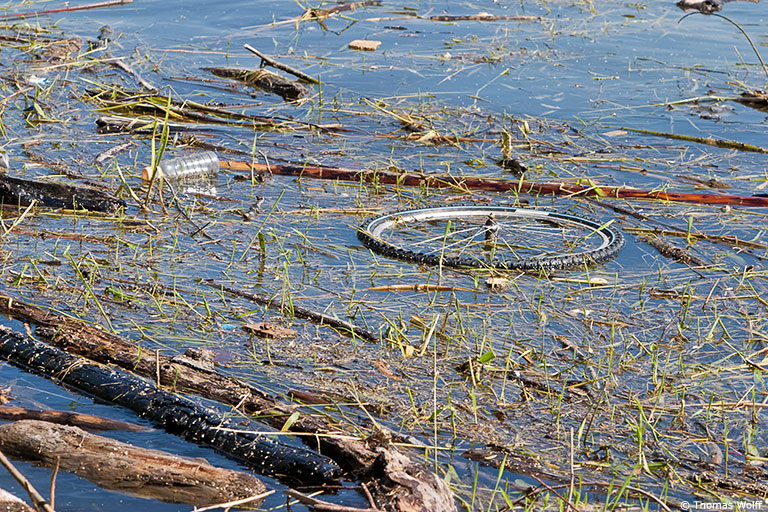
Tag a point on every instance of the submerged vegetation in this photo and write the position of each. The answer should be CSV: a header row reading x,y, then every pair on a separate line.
x,y
633,384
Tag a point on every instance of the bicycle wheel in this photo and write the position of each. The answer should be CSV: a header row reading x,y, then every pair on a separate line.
x,y
491,237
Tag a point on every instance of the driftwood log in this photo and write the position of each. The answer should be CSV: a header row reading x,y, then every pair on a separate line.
x,y
12,503
289,90
75,419
17,191
118,466
174,413
366,459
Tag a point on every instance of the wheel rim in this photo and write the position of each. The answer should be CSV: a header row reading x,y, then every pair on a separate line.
x,y
491,237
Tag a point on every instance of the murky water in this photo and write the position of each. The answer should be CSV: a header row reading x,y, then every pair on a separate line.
x,y
560,82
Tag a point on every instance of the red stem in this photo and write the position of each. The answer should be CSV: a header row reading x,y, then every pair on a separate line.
x,y
108,3
491,184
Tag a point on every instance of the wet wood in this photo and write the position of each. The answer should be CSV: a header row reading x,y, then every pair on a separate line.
x,y
289,90
76,419
673,252
119,466
356,455
121,124
414,179
18,191
408,485
175,413
483,16
150,104
11,503
755,99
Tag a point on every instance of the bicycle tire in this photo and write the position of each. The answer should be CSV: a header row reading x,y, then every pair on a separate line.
x,y
372,232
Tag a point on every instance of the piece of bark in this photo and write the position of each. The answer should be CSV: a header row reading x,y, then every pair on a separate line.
x,y
17,191
409,486
678,254
289,90
174,413
268,330
77,419
12,503
119,466
353,454
364,45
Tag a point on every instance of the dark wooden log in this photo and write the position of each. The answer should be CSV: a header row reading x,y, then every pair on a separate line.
x,y
17,191
357,455
119,466
81,338
76,419
174,413
289,90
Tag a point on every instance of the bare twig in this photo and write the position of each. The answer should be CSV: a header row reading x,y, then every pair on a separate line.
x,y
53,480
708,141
37,500
128,69
235,503
266,59
323,506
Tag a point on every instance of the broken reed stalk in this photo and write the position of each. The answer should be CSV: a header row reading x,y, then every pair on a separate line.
x,y
108,3
709,141
266,59
414,179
